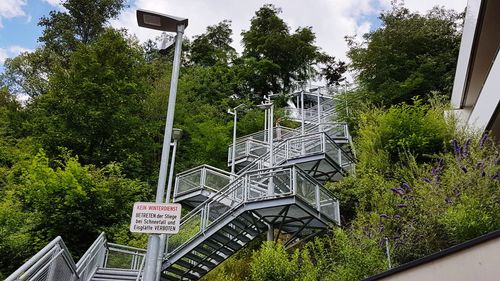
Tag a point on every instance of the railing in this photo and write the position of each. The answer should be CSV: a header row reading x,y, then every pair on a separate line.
x,y
53,262
92,259
248,148
254,185
279,133
311,144
124,257
199,178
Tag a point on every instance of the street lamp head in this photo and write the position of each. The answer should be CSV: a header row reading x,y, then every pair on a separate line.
x,y
264,105
159,21
176,134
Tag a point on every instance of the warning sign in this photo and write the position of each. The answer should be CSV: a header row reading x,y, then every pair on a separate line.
x,y
155,218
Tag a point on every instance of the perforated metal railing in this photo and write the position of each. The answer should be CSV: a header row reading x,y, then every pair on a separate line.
x,y
201,177
212,179
54,261
251,149
92,259
254,185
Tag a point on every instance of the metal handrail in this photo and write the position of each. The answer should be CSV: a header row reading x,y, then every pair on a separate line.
x,y
45,260
92,259
243,183
183,179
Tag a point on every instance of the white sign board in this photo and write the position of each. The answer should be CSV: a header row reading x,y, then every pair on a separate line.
x,y
155,218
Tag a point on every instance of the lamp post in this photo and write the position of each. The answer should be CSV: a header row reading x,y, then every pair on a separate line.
x,y
233,151
176,136
168,23
269,109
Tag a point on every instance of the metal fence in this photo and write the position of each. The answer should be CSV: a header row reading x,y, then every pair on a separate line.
x,y
254,185
54,261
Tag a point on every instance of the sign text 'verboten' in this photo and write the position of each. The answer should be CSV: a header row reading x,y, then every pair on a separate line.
x,y
156,218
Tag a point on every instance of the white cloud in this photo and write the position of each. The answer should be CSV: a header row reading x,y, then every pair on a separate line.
x,y
55,3
10,52
10,9
331,20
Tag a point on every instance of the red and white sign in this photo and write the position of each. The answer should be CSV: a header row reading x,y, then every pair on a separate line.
x,y
155,218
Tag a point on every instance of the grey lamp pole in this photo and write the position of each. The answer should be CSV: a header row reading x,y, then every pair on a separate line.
x,y
163,22
177,134
233,151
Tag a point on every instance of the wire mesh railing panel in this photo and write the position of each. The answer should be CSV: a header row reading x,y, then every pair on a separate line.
x,y
188,182
327,204
124,257
305,189
60,270
335,130
257,149
190,226
216,180
53,262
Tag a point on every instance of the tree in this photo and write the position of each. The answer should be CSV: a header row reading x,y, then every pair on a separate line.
x,y
43,200
276,58
95,107
214,46
409,55
82,22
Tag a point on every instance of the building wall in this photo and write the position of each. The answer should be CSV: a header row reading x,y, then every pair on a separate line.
x,y
478,263
475,96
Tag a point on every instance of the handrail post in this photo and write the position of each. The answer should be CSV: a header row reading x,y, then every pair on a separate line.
x,y
203,177
318,202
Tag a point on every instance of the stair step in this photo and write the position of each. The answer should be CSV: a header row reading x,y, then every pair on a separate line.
x,y
182,273
211,254
219,247
199,259
226,241
193,267
238,235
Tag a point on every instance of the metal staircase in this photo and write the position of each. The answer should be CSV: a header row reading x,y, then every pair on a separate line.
x,y
103,261
277,190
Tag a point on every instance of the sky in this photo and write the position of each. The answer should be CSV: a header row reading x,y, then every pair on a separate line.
x,y
331,20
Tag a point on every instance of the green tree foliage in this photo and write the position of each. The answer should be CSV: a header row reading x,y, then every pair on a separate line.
x,y
420,206
40,202
95,106
419,129
81,22
411,54
272,262
279,59
214,46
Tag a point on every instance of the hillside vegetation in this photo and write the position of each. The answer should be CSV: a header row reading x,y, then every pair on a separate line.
x,y
86,144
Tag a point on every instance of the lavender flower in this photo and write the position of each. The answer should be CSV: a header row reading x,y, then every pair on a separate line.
x,y
495,176
466,146
397,216
479,164
407,187
483,140
398,190
497,160
384,216
427,180
401,205
455,147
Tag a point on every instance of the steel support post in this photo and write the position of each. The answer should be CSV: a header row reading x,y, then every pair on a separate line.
x,y
163,237
233,162
154,239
